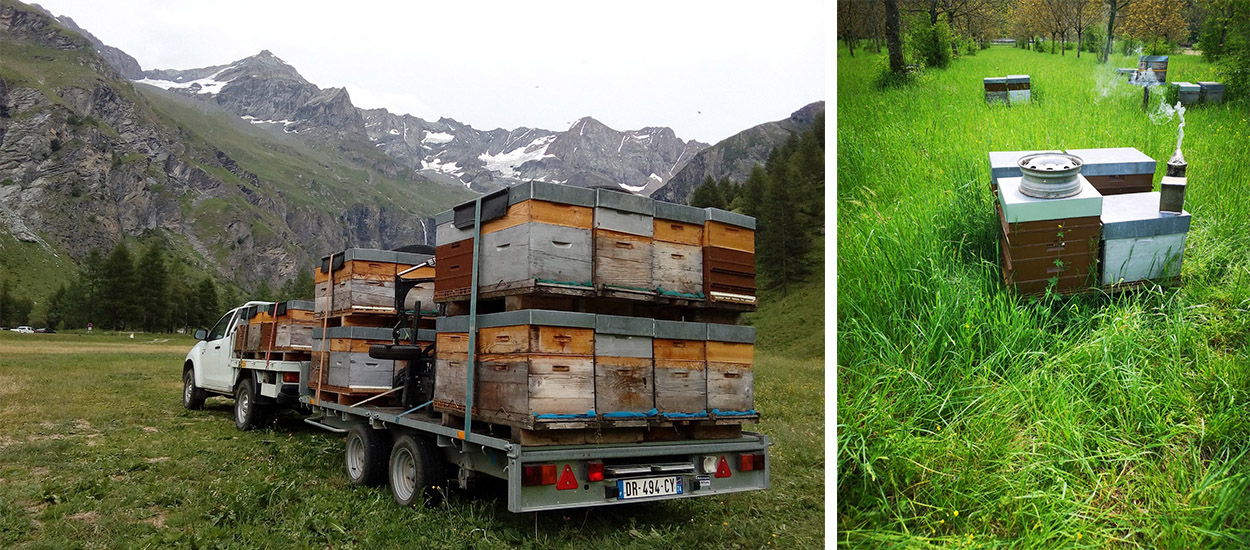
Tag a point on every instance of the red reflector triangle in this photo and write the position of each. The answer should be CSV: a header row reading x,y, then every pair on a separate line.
x,y
567,479
722,468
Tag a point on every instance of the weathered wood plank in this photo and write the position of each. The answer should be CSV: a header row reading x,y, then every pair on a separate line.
x,y
730,352
622,259
730,386
623,384
670,231
724,235
680,386
677,267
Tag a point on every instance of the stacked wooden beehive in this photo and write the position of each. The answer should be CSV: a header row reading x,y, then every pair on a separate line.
x,y
1155,64
1011,89
355,308
281,331
599,331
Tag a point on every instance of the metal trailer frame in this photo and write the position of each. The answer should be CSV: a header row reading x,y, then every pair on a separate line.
x,y
503,459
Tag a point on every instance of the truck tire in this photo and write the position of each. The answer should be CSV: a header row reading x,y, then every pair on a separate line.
x,y
192,396
248,413
365,455
414,470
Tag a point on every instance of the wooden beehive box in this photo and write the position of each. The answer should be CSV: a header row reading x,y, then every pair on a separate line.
x,y
1117,170
293,325
680,351
995,89
1019,88
361,280
677,252
729,257
1212,92
257,317
342,354
1155,63
624,231
624,382
730,370
533,231
532,367
1049,243
1188,93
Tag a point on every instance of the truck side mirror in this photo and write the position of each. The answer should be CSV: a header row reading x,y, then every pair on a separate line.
x,y
201,334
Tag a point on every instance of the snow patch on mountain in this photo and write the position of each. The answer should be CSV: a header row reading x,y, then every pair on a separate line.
x,y
437,137
506,163
209,85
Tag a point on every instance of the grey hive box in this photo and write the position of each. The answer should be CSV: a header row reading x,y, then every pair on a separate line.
x,y
730,368
1139,242
680,350
1187,93
623,366
540,251
995,89
1117,170
1019,88
1212,92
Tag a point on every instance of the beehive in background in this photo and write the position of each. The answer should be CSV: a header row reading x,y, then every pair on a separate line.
x,y
729,257
361,280
1019,89
623,366
677,252
1212,92
340,357
995,89
730,370
1139,241
1049,243
1117,170
1157,64
624,232
1187,93
532,366
680,350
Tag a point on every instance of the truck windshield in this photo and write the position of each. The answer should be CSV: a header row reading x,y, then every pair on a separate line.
x,y
219,330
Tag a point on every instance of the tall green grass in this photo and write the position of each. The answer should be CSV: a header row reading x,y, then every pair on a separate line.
x,y
970,415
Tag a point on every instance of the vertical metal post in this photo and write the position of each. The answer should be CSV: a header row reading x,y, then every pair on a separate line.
x,y
468,387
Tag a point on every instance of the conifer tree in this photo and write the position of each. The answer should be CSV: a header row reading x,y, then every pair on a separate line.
x,y
752,193
153,281
708,194
118,304
782,242
206,303
299,287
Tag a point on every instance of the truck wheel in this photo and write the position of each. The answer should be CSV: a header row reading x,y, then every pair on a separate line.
x,y
365,455
414,470
248,414
192,397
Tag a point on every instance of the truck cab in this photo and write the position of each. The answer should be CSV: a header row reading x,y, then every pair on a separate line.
x,y
215,366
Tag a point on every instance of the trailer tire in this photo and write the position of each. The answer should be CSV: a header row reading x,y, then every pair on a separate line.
x,y
192,396
365,454
414,470
249,414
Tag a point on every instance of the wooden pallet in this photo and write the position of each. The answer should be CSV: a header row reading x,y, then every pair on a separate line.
x,y
359,319
532,294
600,433
348,396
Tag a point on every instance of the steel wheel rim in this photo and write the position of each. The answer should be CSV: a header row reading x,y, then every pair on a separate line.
x,y
355,457
245,403
403,474
186,388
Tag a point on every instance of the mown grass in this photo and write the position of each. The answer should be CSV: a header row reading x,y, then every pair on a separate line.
x,y
98,452
968,415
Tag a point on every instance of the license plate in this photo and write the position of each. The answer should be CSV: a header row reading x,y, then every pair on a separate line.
x,y
648,487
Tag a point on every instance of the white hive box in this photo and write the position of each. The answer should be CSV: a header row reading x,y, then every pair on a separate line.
x,y
1019,88
1139,242
1018,207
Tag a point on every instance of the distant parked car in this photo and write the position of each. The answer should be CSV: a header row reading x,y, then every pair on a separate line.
x,y
24,330
44,331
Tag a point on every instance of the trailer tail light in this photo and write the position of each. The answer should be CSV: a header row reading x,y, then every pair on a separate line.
x,y
290,377
567,479
538,474
594,471
749,462
722,468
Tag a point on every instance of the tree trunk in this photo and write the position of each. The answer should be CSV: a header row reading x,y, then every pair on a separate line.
x,y
1063,43
933,13
1106,52
850,45
892,40
1078,44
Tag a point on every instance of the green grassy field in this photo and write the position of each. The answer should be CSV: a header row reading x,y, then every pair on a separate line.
x,y
96,451
970,416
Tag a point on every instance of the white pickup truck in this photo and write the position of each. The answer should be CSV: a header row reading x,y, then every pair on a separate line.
x,y
213,367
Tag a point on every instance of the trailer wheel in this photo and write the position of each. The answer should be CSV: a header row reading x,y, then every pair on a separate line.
x,y
414,469
192,397
365,455
248,413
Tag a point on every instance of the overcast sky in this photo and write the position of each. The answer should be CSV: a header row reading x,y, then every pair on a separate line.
x,y
708,69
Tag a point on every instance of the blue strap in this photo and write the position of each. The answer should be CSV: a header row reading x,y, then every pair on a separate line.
x,y
718,412
700,414
627,414
589,414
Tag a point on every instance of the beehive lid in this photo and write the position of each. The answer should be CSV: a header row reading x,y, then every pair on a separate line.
x,y
679,212
1153,58
1186,86
1017,78
730,333
1005,164
624,326
730,218
423,335
444,217
625,202
293,305
1134,215
514,318
994,80
1114,161
1018,207
1210,85
551,192
679,330
372,255
452,324
353,333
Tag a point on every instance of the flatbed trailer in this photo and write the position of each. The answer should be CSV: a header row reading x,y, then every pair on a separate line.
x,y
421,449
